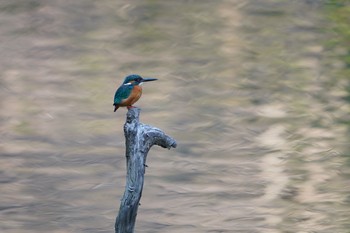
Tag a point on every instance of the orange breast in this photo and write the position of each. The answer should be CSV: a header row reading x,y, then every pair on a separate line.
x,y
134,96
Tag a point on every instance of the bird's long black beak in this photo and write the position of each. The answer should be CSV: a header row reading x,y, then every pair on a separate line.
x,y
148,79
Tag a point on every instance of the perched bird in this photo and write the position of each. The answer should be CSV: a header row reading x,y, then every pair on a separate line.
x,y
130,91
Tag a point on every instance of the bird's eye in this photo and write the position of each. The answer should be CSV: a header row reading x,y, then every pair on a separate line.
x,y
139,80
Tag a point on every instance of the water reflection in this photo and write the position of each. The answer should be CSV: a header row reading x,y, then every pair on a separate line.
x,y
253,92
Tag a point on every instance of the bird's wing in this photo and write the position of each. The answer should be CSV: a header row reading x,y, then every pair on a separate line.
x,y
123,92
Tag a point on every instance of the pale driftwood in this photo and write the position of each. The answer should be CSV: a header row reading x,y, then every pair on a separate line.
x,y
139,138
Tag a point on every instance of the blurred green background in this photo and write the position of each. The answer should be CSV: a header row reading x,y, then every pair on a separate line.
x,y
256,93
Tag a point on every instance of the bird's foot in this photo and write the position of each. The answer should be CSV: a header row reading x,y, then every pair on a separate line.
x,y
129,107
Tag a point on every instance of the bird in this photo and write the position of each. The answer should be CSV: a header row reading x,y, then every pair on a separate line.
x,y
130,91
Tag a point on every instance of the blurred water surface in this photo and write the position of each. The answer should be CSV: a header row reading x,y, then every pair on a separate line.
x,y
255,93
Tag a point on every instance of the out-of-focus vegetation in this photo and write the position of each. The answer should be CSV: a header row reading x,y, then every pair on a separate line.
x,y
339,14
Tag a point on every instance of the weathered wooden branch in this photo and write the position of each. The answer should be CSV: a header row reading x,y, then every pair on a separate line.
x,y
139,139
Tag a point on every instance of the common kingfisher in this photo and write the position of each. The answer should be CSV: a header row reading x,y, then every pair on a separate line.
x,y
130,91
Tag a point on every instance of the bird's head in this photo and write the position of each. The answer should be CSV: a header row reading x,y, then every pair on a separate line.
x,y
135,79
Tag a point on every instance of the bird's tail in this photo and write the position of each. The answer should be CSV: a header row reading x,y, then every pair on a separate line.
x,y
115,107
